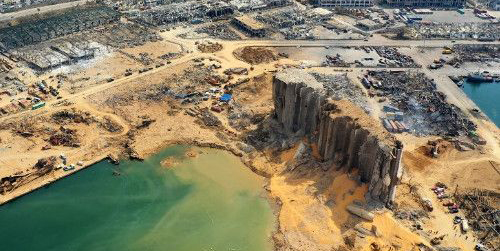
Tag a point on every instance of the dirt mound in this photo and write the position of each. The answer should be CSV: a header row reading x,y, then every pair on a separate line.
x,y
66,137
72,116
209,47
256,55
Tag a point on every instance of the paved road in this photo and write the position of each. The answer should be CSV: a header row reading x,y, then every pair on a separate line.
x,y
378,42
43,9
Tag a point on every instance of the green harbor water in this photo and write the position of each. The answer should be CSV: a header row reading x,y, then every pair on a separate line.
x,y
211,202
487,97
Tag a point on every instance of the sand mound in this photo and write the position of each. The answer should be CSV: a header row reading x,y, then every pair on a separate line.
x,y
256,55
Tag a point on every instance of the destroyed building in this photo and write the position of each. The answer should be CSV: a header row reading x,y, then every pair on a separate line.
x,y
40,30
427,3
189,11
344,3
283,18
344,133
426,110
256,5
250,26
485,31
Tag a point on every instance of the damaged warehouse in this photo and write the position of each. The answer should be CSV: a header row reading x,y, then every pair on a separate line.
x,y
190,11
36,31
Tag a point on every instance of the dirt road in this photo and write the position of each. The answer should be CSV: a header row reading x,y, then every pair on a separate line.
x,y
40,10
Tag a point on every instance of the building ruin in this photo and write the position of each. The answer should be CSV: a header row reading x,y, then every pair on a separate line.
x,y
345,3
427,3
44,29
344,134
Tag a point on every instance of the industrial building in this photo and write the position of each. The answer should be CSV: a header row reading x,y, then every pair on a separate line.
x,y
250,26
345,3
192,11
255,5
427,3
36,31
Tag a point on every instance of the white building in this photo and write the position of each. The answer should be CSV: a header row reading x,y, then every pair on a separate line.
x,y
345,3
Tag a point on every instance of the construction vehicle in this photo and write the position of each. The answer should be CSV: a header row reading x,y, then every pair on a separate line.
x,y
447,51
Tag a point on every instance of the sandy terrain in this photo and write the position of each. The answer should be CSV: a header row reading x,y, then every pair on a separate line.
x,y
311,199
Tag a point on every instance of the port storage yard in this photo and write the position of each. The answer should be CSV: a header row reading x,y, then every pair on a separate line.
x,y
355,118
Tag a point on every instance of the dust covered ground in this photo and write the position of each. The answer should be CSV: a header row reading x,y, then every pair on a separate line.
x,y
180,103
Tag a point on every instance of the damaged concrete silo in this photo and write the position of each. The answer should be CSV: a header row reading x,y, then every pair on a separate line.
x,y
343,132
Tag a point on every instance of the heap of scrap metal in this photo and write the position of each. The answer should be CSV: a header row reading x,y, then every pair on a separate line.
x,y
393,58
482,215
424,109
475,53
478,31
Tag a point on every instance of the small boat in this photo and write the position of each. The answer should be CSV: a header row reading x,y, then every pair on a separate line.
x,y
480,77
460,83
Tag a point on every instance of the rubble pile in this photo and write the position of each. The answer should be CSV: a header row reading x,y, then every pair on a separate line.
x,y
25,128
170,55
209,47
393,58
72,116
362,13
207,118
335,61
240,118
65,137
256,55
425,109
8,184
192,86
45,165
340,87
283,18
295,23
219,31
482,211
11,85
121,35
177,12
475,53
453,31
110,125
